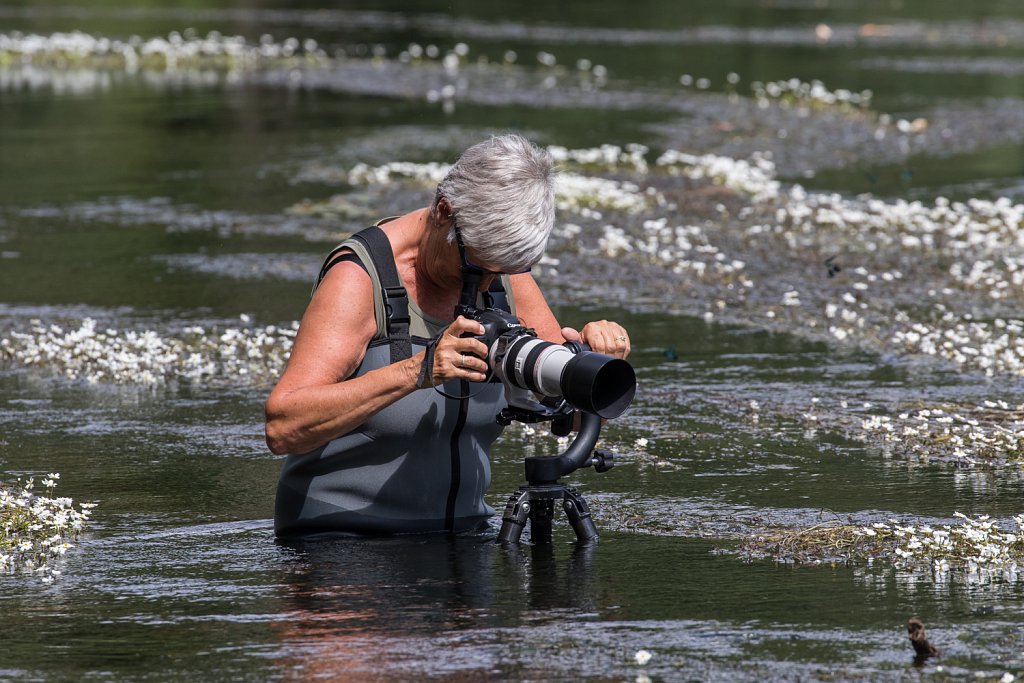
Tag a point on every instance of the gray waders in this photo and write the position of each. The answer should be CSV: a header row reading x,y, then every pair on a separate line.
x,y
421,464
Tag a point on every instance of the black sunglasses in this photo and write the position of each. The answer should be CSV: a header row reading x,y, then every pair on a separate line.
x,y
469,265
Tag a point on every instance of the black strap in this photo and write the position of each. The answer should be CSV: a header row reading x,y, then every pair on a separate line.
x,y
348,257
426,376
496,297
396,299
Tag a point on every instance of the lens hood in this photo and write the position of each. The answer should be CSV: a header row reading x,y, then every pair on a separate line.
x,y
598,384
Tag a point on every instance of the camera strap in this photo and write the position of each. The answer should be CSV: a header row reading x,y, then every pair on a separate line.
x,y
496,297
426,372
396,299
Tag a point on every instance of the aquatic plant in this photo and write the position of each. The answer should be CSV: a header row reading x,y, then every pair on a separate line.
x,y
176,51
794,92
573,192
990,347
579,194
754,176
992,433
427,174
976,546
632,157
234,354
680,248
37,530
722,228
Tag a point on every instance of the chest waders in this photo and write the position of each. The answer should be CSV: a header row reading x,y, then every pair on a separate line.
x,y
420,464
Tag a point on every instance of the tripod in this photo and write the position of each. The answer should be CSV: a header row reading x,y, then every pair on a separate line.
x,y
535,502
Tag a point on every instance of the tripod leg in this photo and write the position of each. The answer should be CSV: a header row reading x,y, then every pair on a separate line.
x,y
578,513
514,520
540,521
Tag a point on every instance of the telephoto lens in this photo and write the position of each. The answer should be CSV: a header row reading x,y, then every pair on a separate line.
x,y
589,381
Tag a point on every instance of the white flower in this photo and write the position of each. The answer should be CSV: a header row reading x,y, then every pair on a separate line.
x,y
642,657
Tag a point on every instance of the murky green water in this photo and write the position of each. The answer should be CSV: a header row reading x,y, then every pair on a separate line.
x,y
148,201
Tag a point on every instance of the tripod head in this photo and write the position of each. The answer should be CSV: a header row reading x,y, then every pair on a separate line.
x,y
580,453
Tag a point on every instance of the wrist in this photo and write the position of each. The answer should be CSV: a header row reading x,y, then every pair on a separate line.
x,y
413,371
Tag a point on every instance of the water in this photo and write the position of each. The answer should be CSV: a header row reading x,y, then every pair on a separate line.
x,y
156,200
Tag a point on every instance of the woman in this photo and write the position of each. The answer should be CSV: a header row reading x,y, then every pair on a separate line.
x,y
386,437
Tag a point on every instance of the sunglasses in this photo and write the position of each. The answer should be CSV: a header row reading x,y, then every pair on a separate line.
x,y
469,265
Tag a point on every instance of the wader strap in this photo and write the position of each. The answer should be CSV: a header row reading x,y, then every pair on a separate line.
x,y
396,299
331,262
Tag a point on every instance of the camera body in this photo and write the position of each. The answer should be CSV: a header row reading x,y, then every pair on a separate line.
x,y
496,323
567,373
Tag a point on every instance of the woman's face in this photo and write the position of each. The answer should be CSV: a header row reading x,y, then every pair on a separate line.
x,y
453,257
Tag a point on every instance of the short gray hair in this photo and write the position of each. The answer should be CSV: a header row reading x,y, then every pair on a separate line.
x,y
502,191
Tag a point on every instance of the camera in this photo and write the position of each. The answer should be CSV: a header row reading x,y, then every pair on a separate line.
x,y
529,366
547,381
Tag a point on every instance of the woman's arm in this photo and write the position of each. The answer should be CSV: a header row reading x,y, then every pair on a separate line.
x,y
315,401
602,336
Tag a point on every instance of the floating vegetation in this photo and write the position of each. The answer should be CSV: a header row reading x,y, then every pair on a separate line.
x,y
185,218
296,267
680,248
907,32
992,348
631,157
807,126
573,192
975,546
727,230
991,433
37,530
794,92
951,247
233,354
429,173
724,229
755,177
176,51
1004,66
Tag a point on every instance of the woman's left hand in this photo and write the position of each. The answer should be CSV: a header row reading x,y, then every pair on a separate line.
x,y
602,336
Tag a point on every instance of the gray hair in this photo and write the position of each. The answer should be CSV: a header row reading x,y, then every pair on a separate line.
x,y
502,192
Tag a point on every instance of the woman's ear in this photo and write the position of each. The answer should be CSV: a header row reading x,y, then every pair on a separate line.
x,y
442,212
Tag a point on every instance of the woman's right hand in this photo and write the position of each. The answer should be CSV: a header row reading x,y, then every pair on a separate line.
x,y
457,356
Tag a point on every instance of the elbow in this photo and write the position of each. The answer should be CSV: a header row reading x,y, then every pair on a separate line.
x,y
275,430
276,440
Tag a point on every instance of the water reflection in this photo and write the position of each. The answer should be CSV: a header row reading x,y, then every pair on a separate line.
x,y
430,582
361,605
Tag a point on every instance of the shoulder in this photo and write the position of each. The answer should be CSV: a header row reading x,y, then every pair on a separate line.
x,y
344,297
338,325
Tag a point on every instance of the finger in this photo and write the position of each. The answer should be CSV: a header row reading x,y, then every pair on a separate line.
x,y
471,346
608,338
596,336
620,341
571,334
462,325
474,364
469,367
451,364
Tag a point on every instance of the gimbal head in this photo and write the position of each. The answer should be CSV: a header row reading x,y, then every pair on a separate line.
x,y
535,501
